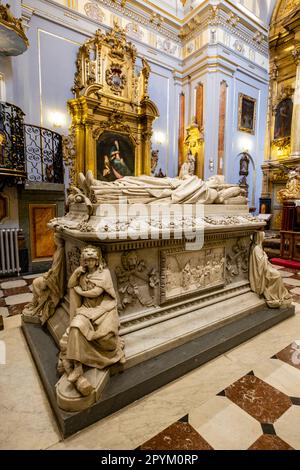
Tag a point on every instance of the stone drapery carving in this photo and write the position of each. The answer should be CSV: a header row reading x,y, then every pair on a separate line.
x,y
148,189
237,261
136,281
77,196
48,289
92,340
264,278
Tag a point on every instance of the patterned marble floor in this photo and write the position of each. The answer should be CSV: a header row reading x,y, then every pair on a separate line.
x,y
260,411
15,293
248,398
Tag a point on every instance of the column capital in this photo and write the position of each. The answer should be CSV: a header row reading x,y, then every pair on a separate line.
x,y
296,54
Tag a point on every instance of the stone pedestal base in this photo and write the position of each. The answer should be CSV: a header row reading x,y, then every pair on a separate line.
x,y
69,399
174,359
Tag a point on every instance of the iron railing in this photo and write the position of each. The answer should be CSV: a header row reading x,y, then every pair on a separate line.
x,y
12,152
26,151
43,151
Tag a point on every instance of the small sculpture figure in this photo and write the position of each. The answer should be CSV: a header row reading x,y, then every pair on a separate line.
x,y
154,161
264,278
47,289
292,189
92,339
188,167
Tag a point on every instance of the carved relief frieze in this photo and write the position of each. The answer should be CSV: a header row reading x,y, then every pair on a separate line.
x,y
185,272
237,260
73,259
133,29
93,11
137,281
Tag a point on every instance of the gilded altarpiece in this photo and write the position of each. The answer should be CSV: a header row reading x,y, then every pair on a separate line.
x,y
111,99
281,152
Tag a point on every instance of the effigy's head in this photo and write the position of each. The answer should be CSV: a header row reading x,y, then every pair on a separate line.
x,y
92,256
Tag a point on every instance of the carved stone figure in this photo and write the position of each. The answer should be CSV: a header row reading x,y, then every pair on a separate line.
x,y
136,282
237,260
148,189
188,167
154,161
92,340
292,189
264,278
48,289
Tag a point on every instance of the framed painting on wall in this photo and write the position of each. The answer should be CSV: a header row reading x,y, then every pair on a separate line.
x,y
115,156
247,114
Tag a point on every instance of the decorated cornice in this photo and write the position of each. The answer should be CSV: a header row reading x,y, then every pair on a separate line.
x,y
221,17
148,18
206,25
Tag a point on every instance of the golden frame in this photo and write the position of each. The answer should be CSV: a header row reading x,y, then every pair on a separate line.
x,y
251,128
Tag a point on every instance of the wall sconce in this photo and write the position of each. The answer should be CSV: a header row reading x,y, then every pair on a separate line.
x,y
245,144
159,137
57,119
211,165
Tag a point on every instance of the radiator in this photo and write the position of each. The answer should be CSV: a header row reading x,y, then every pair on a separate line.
x,y
9,252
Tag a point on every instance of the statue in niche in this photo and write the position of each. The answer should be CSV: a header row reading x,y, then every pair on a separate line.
x,y
188,167
136,282
92,340
283,119
47,289
264,278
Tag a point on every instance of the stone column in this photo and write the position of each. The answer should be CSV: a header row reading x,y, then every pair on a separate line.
x,y
295,132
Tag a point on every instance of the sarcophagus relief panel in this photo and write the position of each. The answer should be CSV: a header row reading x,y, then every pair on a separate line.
x,y
188,272
136,278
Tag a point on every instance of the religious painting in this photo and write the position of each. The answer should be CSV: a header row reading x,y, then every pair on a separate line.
x,y
115,156
247,114
283,119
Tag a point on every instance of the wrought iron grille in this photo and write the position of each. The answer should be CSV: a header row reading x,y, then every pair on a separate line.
x,y
12,161
43,150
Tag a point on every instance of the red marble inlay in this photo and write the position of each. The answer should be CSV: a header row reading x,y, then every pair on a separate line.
x,y
267,442
178,436
16,309
290,355
259,399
